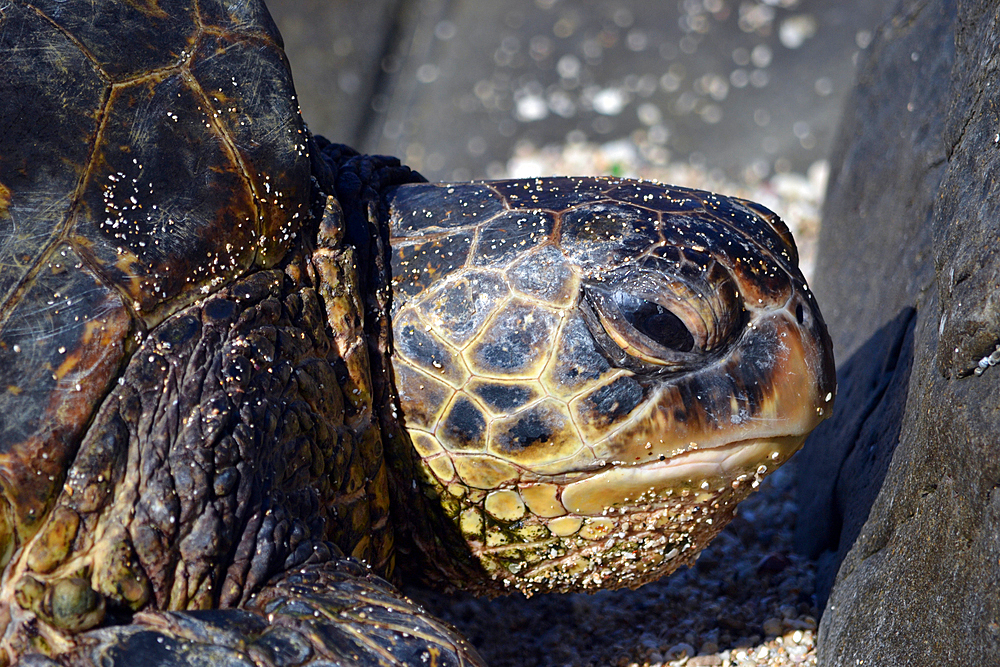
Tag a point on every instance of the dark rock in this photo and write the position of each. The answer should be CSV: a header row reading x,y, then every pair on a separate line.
x,y
909,280
856,444
888,161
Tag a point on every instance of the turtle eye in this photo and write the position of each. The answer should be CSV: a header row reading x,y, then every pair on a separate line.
x,y
654,321
659,317
640,333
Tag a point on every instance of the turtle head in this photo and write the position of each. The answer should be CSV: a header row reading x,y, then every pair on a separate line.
x,y
593,372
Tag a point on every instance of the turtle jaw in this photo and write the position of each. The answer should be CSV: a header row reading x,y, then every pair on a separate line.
x,y
628,526
623,526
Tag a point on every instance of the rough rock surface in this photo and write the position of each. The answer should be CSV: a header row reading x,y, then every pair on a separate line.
x,y
912,222
858,441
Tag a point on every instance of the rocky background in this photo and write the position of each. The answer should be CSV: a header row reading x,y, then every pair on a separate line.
x,y
902,484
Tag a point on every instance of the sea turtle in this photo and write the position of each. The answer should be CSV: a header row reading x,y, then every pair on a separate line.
x,y
221,425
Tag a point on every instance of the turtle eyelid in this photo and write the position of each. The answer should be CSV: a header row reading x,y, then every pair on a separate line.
x,y
612,315
655,321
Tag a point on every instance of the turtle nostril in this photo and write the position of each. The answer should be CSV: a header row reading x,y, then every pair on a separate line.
x,y
800,314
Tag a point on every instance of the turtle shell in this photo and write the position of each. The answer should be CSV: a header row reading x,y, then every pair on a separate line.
x,y
136,176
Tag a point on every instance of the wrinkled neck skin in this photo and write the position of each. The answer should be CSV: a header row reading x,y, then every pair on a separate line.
x,y
428,545
245,437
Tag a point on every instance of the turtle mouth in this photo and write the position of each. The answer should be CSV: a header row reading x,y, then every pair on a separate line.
x,y
699,471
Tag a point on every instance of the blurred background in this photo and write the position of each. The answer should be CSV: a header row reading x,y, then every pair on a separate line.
x,y
460,88
737,96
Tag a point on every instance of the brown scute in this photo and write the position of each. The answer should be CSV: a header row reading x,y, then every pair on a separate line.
x,y
504,397
416,265
51,98
658,197
157,220
667,256
459,307
157,38
509,235
60,348
779,227
526,432
261,121
610,403
464,427
543,274
250,19
421,397
231,190
536,436
577,362
757,222
760,274
607,234
511,345
553,194
426,352
429,208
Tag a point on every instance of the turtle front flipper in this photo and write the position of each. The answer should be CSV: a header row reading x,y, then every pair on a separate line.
x,y
336,611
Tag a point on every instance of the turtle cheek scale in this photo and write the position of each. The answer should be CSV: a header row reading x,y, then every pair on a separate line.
x,y
564,469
